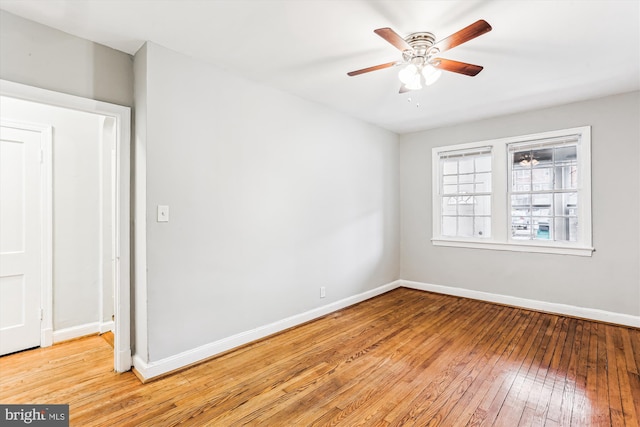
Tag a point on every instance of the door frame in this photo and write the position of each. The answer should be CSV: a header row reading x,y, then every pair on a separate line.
x,y
122,285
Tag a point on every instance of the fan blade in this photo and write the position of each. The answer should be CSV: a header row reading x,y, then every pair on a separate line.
x,y
457,67
474,30
392,37
374,68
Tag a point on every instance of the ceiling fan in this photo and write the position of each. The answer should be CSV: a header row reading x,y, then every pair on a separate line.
x,y
420,55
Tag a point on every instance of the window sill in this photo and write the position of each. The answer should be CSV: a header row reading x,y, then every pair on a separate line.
x,y
515,247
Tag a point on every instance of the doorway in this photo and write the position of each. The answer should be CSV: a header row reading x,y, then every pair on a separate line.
x,y
100,259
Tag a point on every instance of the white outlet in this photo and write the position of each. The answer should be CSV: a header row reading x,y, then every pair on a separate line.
x,y
323,292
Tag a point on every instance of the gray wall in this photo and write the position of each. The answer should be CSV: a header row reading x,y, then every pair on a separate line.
x,y
270,197
609,280
40,56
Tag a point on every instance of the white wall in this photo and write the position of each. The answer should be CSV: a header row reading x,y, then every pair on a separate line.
x,y
270,196
609,280
81,211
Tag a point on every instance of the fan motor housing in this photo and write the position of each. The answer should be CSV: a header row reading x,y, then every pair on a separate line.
x,y
421,40
421,44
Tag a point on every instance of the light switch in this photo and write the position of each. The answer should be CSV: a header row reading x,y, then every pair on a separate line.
x,y
163,213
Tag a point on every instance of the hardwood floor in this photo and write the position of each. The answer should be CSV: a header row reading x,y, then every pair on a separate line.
x,y
404,358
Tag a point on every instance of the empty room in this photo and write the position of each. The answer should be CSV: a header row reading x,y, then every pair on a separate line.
x,y
320,212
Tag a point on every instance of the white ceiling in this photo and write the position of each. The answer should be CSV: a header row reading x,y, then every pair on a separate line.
x,y
540,53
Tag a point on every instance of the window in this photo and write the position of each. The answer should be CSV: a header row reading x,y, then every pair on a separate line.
x,y
466,193
527,193
544,191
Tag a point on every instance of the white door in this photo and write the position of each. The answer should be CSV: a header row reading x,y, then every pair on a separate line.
x,y
20,238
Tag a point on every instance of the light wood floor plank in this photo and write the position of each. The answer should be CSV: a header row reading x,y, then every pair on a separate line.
x,y
404,358
501,383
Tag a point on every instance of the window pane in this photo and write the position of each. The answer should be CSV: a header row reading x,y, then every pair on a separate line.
x,y
449,225
521,222
542,157
449,189
566,177
520,214
521,159
566,229
543,199
450,179
465,188
449,167
449,206
541,204
566,204
566,155
466,165
520,200
541,228
521,180
466,205
483,164
482,225
450,184
466,183
541,211
521,228
566,167
542,179
465,226
483,205
483,182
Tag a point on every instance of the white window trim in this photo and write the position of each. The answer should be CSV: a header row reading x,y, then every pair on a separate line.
x,y
500,231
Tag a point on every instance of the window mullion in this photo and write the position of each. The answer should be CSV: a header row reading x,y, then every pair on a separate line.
x,y
500,214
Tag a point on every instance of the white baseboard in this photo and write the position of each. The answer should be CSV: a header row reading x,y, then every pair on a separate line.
x,y
81,331
107,326
149,370
549,307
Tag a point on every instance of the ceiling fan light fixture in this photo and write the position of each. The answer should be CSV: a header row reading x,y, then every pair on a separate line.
x,y
408,74
420,53
431,74
415,84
